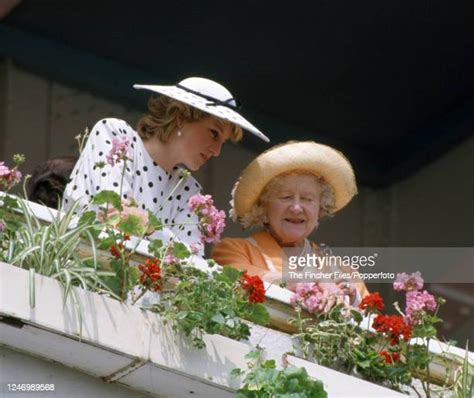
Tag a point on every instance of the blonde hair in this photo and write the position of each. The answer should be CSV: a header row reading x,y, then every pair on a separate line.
x,y
256,215
163,115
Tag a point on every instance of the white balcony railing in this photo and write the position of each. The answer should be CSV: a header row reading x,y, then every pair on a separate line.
x,y
124,345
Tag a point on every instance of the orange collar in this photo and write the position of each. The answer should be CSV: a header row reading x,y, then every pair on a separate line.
x,y
270,247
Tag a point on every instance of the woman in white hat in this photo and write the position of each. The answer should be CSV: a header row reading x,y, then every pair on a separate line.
x,y
286,190
187,126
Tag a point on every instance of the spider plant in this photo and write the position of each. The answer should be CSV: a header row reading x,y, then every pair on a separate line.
x,y
51,250
465,378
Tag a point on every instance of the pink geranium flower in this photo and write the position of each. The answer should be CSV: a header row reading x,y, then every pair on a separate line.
x,y
119,151
8,177
195,247
170,259
212,221
408,282
198,202
417,304
4,170
310,296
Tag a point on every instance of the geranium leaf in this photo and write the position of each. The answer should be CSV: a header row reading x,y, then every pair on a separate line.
x,y
357,316
87,217
155,246
133,275
106,243
132,226
180,250
231,273
154,222
107,197
259,314
218,318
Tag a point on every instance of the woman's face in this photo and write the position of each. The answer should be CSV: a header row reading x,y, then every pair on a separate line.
x,y
201,140
292,209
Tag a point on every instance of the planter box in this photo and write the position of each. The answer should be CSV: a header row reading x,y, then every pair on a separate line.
x,y
124,345
121,343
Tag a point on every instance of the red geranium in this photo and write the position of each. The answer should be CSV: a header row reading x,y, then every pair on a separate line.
x,y
253,285
150,276
394,326
116,250
373,302
390,357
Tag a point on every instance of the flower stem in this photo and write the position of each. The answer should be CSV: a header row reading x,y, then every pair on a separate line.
x,y
172,191
121,184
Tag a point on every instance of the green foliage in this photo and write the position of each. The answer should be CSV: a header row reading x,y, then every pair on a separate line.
x,y
155,222
230,274
19,159
338,341
155,247
200,303
180,250
330,339
107,197
263,379
209,303
464,382
51,250
257,313
132,226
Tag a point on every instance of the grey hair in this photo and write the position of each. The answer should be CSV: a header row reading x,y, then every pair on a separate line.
x,y
256,215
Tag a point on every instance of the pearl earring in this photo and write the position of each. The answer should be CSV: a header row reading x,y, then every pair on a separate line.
x,y
179,133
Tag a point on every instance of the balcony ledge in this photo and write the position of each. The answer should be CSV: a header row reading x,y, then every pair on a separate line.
x,y
125,345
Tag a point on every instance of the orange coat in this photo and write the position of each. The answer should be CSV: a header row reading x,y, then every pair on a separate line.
x,y
257,255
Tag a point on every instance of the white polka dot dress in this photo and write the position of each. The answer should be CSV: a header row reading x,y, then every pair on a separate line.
x,y
144,181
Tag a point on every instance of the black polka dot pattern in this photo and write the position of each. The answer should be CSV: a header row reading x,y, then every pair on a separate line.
x,y
144,180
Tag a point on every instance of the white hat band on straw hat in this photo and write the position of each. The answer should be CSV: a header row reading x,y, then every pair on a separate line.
x,y
208,96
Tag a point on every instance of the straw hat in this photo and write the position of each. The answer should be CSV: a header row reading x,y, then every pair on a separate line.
x,y
208,96
320,160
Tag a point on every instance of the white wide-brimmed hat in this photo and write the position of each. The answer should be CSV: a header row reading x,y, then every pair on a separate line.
x,y
305,156
208,96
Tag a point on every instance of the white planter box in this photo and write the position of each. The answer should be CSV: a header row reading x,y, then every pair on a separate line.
x,y
124,345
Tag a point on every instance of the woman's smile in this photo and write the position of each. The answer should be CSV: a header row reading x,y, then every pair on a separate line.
x,y
292,209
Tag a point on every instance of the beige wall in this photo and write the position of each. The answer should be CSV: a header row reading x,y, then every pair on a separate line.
x,y
46,116
433,207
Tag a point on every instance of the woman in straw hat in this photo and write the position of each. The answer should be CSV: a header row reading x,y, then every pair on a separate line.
x,y
286,190
187,126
